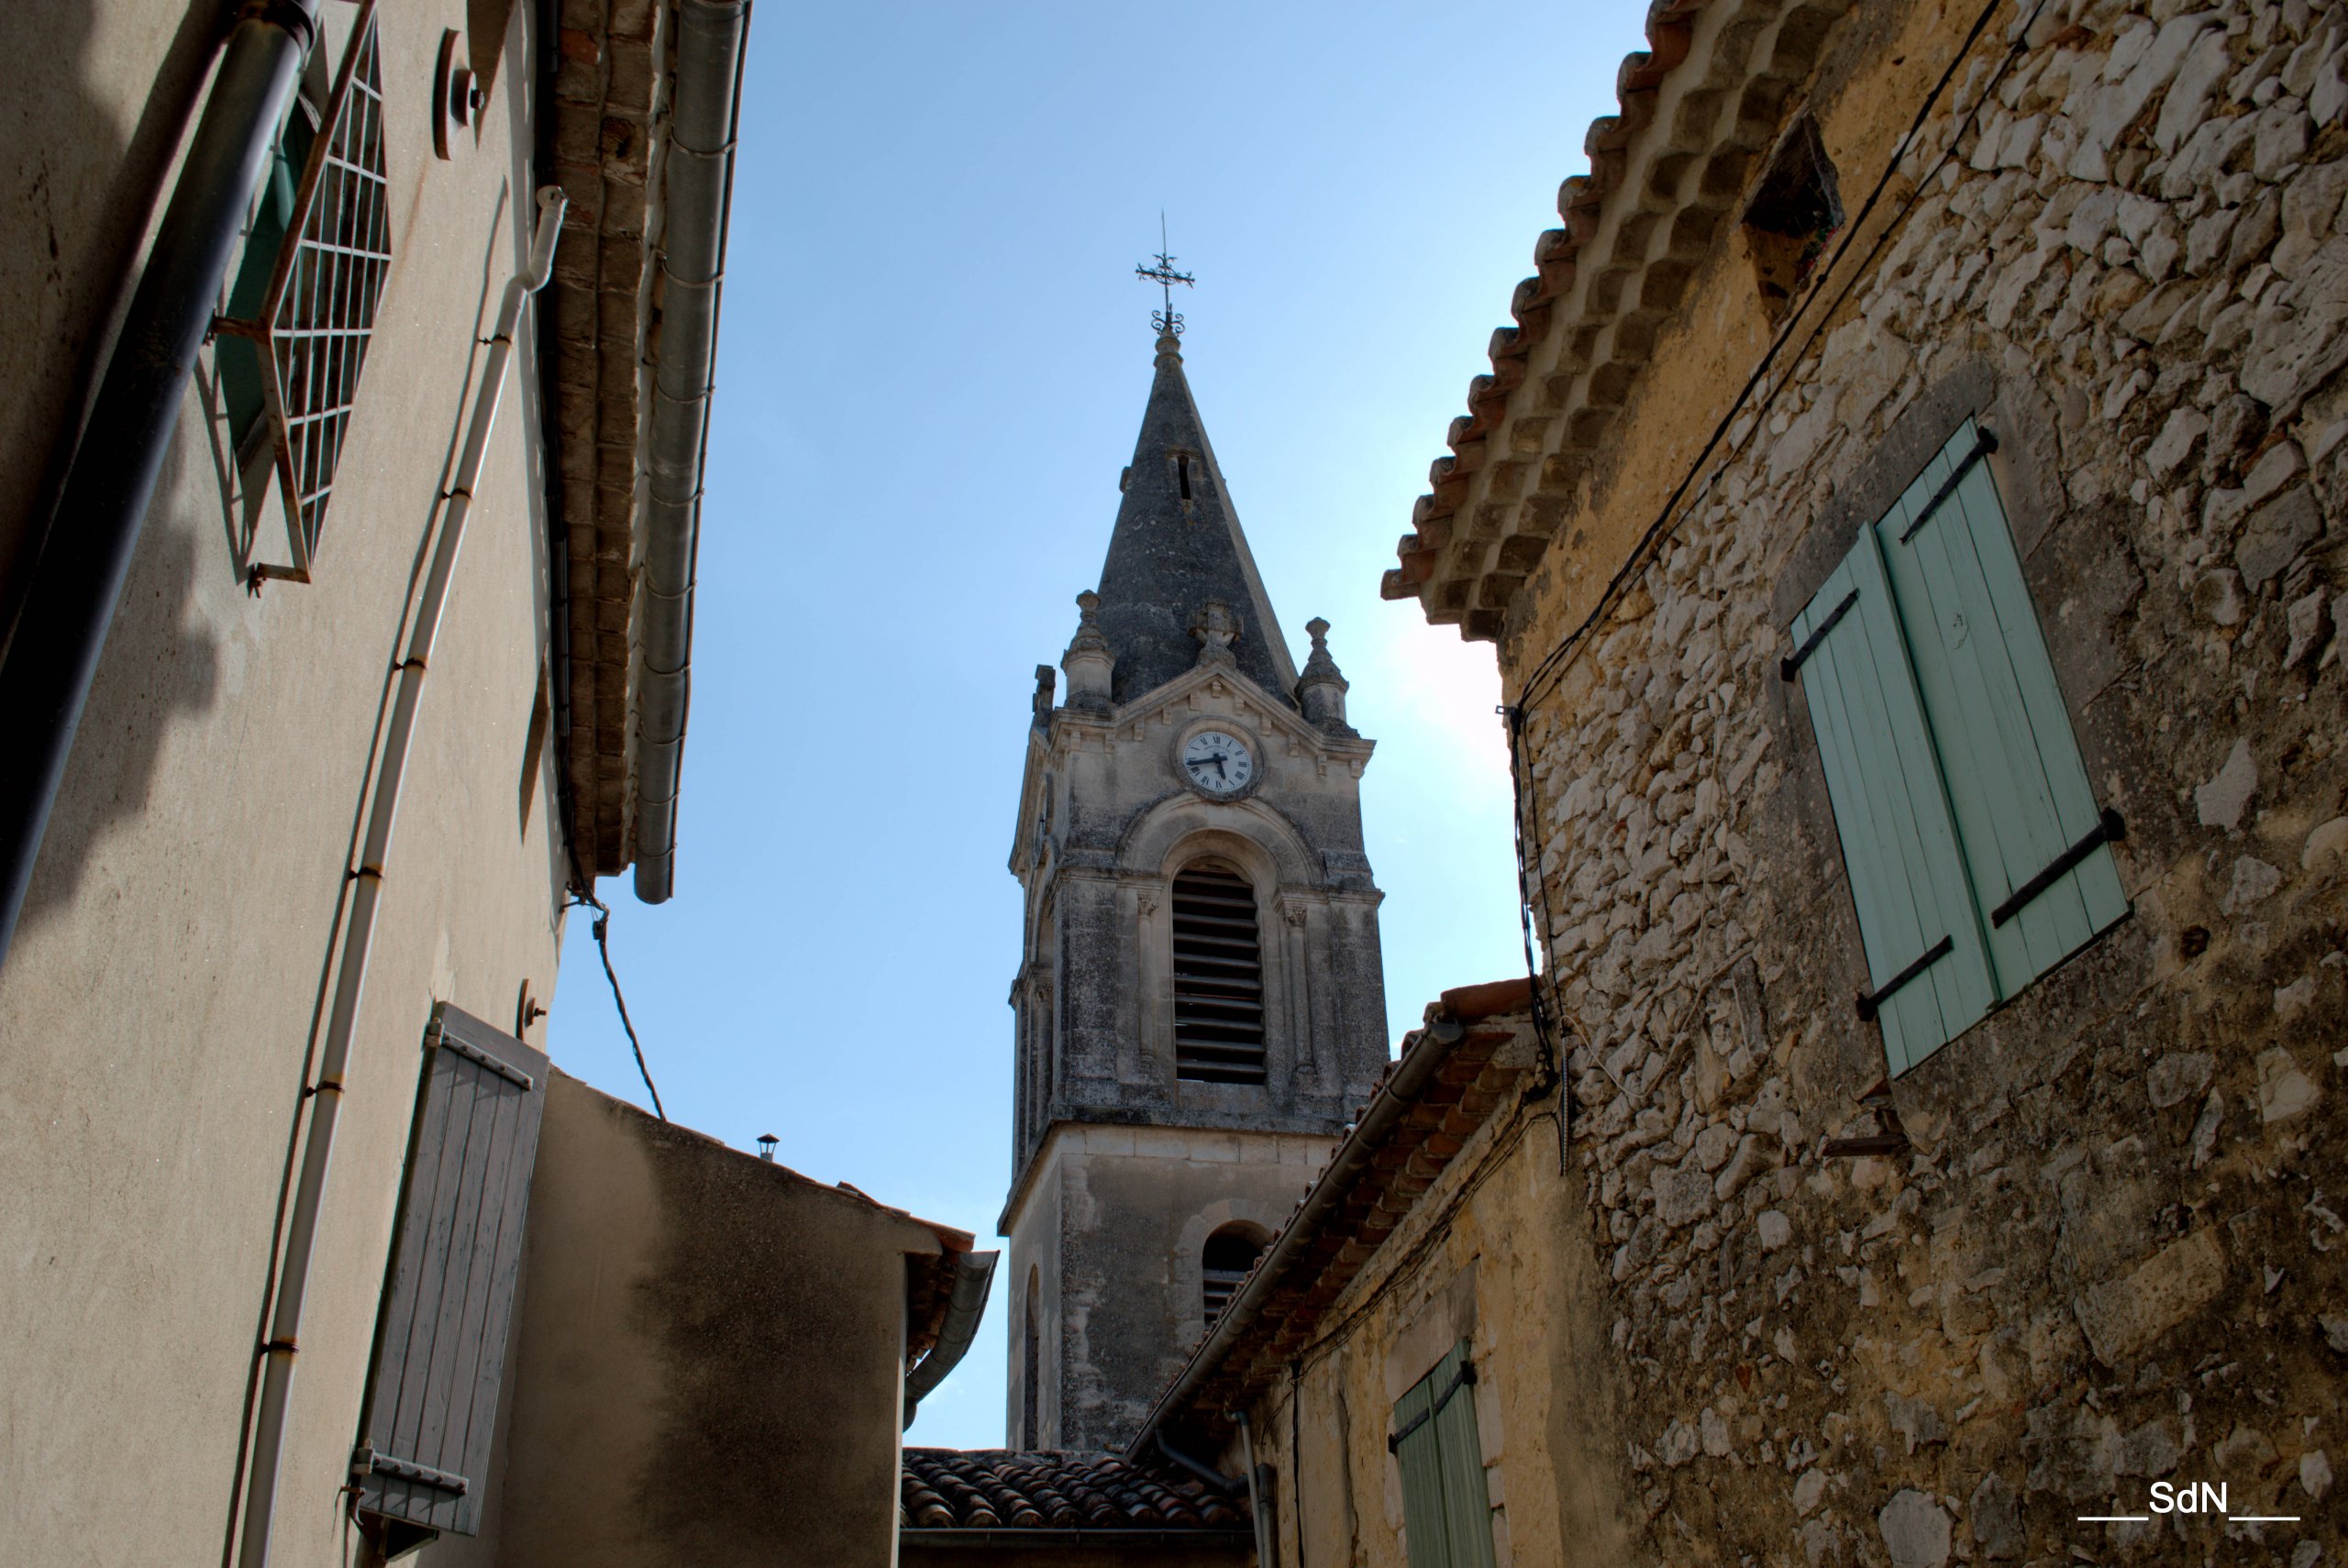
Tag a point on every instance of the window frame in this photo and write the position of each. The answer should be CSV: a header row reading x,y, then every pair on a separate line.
x,y
1247,1233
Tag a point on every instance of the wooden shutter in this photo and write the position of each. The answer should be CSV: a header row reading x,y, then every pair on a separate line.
x,y
1447,1509
1927,965
449,1297
2026,816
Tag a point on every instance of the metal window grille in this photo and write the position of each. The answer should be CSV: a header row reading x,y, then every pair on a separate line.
x,y
314,325
1218,978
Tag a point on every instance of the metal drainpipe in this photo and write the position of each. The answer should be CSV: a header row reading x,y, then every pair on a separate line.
x,y
1266,1529
699,179
351,978
77,579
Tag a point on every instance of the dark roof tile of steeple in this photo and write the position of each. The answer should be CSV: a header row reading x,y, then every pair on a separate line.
x,y
1178,545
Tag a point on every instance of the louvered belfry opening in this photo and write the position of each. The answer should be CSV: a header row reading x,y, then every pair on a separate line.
x,y
1218,977
1230,1253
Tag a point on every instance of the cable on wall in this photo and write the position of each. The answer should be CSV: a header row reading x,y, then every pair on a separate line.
x,y
584,897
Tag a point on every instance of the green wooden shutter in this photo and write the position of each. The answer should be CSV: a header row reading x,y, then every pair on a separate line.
x,y
1466,1503
1424,1532
1925,953
449,1297
2016,781
1447,1509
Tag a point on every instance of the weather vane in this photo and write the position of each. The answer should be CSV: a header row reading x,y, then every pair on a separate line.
x,y
1164,275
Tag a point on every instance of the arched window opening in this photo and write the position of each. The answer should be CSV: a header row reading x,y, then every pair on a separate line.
x,y
1230,1253
1218,977
1031,1371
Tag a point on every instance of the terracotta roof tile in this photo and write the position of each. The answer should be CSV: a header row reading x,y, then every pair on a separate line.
x,y
1697,105
997,1489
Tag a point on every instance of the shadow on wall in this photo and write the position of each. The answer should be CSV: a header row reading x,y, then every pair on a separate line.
x,y
160,661
78,195
75,195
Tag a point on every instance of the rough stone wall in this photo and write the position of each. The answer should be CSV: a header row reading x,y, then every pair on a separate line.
x,y
2112,1253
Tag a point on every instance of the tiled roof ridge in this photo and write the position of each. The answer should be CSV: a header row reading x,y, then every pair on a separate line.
x,y
996,1488
1634,229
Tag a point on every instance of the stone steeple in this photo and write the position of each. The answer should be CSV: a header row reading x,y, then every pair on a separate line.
x,y
1200,1006
1177,548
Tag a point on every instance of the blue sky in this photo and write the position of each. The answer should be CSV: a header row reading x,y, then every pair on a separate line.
x,y
932,366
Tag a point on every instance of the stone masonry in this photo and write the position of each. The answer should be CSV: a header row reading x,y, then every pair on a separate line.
x,y
2114,1252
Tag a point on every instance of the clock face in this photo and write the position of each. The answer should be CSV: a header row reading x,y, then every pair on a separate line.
x,y
1218,764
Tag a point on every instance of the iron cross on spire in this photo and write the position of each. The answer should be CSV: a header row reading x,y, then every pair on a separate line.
x,y
1167,322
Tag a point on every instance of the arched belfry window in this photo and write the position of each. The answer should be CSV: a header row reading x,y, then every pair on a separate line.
x,y
1229,1253
1218,977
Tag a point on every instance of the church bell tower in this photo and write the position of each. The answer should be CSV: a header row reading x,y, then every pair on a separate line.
x,y
1199,1004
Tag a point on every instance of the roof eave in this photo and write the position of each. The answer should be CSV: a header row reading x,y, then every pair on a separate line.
x,y
1697,105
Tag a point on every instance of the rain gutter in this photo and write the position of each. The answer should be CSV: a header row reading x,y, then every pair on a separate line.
x,y
697,190
973,1277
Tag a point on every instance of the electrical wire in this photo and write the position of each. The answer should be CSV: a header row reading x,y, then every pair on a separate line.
x,y
584,897
1553,1063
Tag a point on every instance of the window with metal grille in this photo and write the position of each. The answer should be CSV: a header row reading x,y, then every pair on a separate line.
x,y
1218,977
309,324
1229,1253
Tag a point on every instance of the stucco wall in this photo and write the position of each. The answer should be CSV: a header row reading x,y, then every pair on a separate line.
x,y
1114,1221
1494,1253
2111,1256
159,1001
708,1361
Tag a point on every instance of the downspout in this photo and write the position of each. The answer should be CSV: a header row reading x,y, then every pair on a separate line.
x,y
351,978
1268,1533
698,184
1207,1473
76,581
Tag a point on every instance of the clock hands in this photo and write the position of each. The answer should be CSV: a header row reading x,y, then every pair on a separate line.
x,y
1230,767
